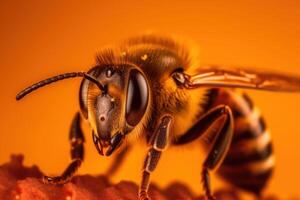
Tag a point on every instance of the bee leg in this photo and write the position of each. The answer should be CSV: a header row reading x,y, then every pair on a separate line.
x,y
118,160
217,128
158,143
77,151
219,148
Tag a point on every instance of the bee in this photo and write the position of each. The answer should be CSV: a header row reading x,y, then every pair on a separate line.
x,y
153,87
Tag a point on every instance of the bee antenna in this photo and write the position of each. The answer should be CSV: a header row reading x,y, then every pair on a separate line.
x,y
47,81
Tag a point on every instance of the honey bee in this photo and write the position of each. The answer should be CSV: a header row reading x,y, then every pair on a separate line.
x,y
153,86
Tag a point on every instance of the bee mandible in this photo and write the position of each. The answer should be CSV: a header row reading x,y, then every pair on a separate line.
x,y
152,86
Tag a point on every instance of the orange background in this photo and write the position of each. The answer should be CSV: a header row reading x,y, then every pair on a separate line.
x,y
39,39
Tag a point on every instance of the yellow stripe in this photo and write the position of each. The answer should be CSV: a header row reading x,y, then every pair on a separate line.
x,y
241,102
254,168
241,124
249,146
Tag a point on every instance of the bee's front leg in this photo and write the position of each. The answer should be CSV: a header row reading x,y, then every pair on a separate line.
x,y
158,145
77,152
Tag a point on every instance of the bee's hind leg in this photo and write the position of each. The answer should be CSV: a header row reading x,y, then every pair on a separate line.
x,y
216,127
77,152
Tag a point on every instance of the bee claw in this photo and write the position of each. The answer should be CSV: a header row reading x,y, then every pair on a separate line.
x,y
52,180
47,179
144,196
210,198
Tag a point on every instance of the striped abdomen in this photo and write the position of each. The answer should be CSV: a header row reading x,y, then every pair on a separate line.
x,y
249,162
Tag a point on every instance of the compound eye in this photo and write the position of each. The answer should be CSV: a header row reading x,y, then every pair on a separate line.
x,y
137,97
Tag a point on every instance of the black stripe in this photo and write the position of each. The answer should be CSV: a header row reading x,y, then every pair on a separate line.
x,y
237,113
248,100
248,181
211,96
262,124
250,133
255,156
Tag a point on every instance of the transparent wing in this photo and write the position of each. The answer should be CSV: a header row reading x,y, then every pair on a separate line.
x,y
243,78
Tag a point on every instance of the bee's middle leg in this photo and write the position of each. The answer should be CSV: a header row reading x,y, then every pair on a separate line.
x,y
216,126
77,152
158,144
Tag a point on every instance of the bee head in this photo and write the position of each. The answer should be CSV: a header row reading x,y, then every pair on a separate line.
x,y
113,98
117,108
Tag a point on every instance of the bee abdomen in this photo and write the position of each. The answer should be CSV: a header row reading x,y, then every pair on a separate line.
x,y
250,161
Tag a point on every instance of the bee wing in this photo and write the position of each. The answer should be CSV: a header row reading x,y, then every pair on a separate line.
x,y
243,78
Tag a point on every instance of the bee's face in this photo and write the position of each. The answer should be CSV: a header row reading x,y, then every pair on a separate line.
x,y
114,112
